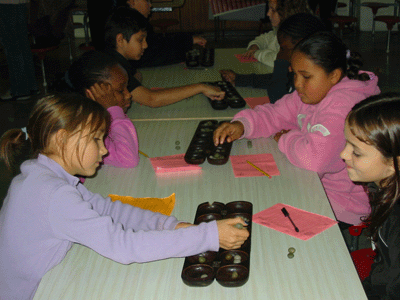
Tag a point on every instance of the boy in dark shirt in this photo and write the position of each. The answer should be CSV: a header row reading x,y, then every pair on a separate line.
x,y
126,33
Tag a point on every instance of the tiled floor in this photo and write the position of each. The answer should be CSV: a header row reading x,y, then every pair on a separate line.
x,y
373,51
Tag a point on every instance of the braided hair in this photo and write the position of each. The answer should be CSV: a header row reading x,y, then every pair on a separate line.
x,y
328,51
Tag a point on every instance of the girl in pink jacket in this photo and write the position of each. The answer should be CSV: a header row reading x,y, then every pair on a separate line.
x,y
309,123
99,77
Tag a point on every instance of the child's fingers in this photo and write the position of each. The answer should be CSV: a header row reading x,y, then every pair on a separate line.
x,y
219,96
221,133
89,94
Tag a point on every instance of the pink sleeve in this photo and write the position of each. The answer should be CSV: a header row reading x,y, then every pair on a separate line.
x,y
121,141
317,148
266,120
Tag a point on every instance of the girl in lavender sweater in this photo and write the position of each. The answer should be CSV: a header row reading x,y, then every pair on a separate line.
x,y
308,124
47,209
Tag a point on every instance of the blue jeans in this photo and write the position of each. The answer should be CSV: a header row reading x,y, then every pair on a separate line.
x,y
14,38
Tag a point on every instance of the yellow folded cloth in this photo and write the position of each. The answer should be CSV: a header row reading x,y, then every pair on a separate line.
x,y
161,205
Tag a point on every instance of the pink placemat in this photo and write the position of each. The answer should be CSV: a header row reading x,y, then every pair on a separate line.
x,y
254,101
265,161
172,163
243,59
309,224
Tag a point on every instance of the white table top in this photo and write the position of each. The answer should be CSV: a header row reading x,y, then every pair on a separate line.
x,y
321,269
198,106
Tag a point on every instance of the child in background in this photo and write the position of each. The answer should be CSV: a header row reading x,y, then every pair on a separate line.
x,y
99,77
47,210
163,49
265,47
280,82
372,154
126,32
308,123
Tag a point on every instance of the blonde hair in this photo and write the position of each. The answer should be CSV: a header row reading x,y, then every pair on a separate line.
x,y
69,112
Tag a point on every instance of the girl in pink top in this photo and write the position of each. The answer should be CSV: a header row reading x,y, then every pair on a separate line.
x,y
99,77
308,124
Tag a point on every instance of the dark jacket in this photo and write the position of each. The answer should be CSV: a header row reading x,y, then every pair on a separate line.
x,y
383,281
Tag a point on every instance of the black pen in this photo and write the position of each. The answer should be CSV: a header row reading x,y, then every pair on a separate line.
x,y
286,213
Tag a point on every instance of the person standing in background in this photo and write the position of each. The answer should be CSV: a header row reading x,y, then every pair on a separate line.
x,y
14,39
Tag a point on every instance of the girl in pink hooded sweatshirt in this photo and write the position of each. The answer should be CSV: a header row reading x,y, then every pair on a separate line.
x,y
99,77
308,124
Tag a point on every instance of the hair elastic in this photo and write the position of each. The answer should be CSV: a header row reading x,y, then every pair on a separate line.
x,y
348,52
23,129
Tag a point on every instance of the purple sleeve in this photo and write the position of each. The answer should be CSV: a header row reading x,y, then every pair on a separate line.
x,y
122,232
121,141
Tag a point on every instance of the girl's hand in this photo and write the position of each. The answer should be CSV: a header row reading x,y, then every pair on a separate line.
x,y
183,225
229,131
231,237
103,94
213,92
228,75
250,53
278,135
198,40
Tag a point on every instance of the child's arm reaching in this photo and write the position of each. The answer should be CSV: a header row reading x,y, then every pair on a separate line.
x,y
162,97
250,51
198,40
228,132
268,48
129,234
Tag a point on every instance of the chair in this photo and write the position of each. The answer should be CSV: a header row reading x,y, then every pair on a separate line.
x,y
390,21
164,24
343,21
375,6
79,11
363,258
41,53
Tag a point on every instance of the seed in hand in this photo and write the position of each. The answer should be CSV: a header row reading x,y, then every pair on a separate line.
x,y
238,225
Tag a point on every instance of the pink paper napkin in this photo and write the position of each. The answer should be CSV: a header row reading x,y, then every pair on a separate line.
x,y
309,224
172,163
265,162
245,59
254,101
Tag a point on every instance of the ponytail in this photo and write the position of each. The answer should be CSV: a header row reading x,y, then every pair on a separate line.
x,y
328,51
14,147
354,64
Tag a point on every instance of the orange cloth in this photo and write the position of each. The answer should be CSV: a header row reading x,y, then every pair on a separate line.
x,y
161,205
